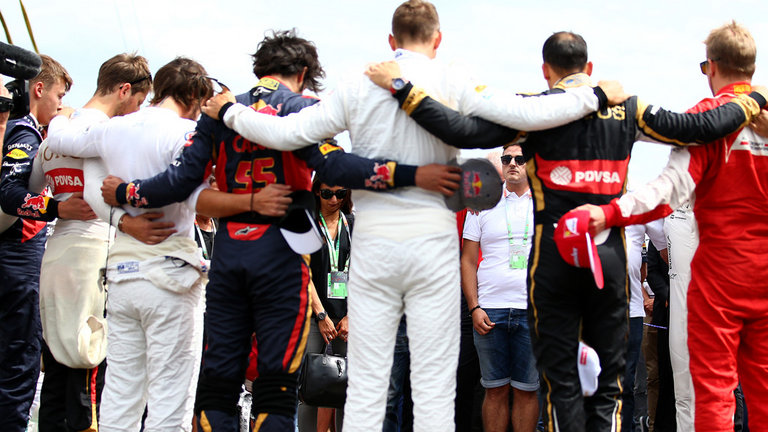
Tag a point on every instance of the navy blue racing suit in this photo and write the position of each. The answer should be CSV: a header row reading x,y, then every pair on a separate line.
x,y
21,251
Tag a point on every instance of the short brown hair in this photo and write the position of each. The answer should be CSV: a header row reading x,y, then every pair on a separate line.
x,y
415,20
731,46
50,72
121,69
183,79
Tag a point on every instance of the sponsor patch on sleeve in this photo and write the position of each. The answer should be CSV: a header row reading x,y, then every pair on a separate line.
x,y
188,138
329,146
17,154
35,203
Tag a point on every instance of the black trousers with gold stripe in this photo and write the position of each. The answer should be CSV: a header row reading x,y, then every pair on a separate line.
x,y
565,305
70,398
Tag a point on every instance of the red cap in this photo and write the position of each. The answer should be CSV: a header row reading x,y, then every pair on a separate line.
x,y
576,245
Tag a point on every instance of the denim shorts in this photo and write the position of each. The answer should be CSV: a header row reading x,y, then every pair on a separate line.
x,y
505,353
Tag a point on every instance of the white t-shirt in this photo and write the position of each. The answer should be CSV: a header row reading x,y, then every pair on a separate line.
x,y
635,235
498,285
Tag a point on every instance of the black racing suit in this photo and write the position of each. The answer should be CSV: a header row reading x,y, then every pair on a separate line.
x,y
582,162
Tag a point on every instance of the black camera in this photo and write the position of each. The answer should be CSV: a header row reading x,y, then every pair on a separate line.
x,y
18,103
23,65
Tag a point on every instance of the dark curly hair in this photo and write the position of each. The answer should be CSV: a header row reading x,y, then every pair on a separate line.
x,y
284,53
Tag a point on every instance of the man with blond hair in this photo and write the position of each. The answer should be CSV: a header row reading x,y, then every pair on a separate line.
x,y
725,182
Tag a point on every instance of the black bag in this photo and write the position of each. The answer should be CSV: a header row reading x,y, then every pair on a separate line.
x,y
323,380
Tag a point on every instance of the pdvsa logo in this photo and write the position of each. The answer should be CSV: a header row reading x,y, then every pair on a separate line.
x,y
561,175
595,176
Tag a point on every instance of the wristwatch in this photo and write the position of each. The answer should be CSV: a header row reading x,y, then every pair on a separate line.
x,y
321,316
397,84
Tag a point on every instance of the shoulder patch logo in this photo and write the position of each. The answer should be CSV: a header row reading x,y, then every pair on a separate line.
x,y
188,138
17,154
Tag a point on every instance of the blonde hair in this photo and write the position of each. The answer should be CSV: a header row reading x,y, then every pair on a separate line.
x,y
732,47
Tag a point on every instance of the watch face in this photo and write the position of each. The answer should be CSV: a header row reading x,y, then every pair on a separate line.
x,y
398,83
321,316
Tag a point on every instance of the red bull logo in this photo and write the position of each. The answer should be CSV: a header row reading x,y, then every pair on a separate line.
x,y
269,109
477,184
36,202
472,183
132,192
382,171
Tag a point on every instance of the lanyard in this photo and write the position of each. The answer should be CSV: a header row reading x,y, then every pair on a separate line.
x,y
202,239
333,247
510,233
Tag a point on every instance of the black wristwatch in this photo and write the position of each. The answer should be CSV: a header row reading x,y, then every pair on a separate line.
x,y
397,84
321,316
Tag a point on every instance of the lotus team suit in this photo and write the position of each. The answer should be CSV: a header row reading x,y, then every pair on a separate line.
x,y
727,295
257,283
582,162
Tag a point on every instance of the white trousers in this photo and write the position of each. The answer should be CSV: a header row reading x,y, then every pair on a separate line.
x,y
153,357
682,241
418,276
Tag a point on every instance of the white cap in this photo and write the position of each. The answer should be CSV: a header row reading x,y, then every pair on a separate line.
x,y
589,368
307,242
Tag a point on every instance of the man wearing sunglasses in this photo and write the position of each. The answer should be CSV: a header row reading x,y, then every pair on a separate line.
x,y
496,297
726,298
583,162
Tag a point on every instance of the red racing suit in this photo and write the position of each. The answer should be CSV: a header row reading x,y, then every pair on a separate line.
x,y
727,182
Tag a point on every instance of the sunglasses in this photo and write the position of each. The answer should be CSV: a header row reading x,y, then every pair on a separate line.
x,y
507,159
704,66
327,194
138,80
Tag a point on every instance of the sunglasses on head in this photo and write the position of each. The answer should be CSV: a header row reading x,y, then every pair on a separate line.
x,y
327,194
507,159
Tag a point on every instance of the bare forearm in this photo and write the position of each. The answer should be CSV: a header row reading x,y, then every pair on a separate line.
x,y
217,204
317,307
